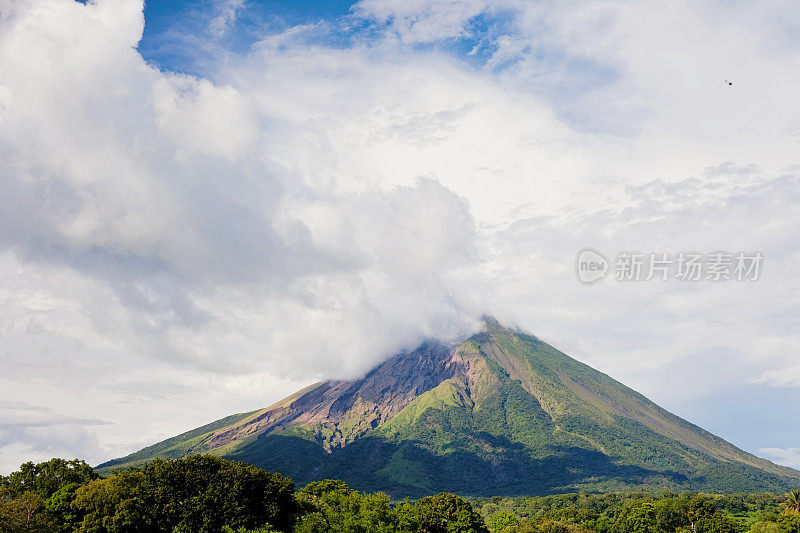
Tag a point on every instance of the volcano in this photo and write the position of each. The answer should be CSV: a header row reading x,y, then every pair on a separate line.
x,y
501,413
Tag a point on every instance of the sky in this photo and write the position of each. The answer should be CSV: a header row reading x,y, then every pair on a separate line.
x,y
206,205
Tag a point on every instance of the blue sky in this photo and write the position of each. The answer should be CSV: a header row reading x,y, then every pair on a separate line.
x,y
171,30
388,171
171,26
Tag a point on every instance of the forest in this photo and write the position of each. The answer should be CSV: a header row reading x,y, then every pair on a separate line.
x,y
208,494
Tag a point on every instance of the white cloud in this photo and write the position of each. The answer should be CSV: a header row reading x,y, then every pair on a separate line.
x,y
783,456
200,118
418,21
224,17
788,375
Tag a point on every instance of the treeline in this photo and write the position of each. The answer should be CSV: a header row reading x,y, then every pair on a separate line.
x,y
644,513
206,494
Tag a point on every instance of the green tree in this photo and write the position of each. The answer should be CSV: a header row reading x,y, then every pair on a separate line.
x,y
263,529
671,513
502,521
699,507
718,523
766,527
792,503
312,522
789,522
24,512
196,494
636,518
447,513
25,495
59,505
116,504
46,478
553,526
333,506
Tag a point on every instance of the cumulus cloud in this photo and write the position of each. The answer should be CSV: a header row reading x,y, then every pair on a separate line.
x,y
159,186
200,245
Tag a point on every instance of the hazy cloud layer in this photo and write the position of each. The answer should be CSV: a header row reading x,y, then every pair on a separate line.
x,y
783,456
175,248
39,434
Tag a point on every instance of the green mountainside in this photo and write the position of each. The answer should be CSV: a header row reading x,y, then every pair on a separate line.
x,y
502,413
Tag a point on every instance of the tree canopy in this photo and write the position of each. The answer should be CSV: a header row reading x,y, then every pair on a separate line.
x,y
203,493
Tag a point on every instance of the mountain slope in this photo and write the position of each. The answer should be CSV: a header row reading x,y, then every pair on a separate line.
x,y
501,413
